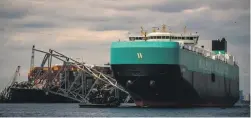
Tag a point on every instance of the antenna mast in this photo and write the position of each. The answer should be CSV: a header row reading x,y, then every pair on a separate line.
x,y
185,29
154,29
143,33
32,58
163,28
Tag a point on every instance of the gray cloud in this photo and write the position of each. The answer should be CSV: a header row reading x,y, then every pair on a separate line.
x,y
86,28
37,25
14,14
8,10
230,4
180,5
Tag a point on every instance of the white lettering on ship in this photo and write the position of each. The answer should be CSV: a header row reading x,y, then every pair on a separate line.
x,y
139,55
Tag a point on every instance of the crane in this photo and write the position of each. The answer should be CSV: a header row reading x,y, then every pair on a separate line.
x,y
5,93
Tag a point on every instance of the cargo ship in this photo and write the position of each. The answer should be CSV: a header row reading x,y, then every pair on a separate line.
x,y
23,93
168,69
31,91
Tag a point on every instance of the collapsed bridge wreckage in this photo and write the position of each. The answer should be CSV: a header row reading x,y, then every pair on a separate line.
x,y
76,80
71,81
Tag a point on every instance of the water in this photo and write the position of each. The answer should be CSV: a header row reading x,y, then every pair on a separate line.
x,y
73,110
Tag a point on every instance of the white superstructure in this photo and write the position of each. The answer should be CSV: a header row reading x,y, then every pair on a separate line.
x,y
186,40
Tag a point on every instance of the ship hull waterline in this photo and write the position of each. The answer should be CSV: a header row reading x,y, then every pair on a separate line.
x,y
21,95
167,85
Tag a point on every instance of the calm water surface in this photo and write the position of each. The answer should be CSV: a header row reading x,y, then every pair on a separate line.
x,y
61,110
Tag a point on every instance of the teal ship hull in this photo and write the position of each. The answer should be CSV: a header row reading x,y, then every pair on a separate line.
x,y
161,74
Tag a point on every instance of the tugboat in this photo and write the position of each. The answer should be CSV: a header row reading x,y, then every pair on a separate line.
x,y
164,69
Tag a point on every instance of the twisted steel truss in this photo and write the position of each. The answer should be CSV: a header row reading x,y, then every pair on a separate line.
x,y
61,82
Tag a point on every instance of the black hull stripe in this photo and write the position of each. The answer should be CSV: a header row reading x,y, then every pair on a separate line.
x,y
174,86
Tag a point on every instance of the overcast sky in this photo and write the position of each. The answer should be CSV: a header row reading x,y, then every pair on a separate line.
x,y
85,28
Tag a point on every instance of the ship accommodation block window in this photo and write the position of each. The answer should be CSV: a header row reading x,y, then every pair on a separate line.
x,y
162,37
188,38
136,38
165,37
131,38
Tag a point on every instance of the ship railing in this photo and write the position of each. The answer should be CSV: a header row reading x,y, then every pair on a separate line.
x,y
209,54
